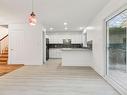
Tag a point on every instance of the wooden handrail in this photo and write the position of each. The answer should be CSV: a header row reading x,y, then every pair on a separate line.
x,y
4,37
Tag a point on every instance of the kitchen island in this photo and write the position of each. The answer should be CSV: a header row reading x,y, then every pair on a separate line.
x,y
76,57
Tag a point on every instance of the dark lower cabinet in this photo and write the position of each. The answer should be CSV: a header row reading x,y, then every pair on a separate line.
x,y
47,48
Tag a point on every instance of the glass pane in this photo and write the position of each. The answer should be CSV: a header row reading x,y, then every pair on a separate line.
x,y
116,48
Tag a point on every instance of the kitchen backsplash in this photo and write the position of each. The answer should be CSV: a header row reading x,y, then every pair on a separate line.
x,y
65,46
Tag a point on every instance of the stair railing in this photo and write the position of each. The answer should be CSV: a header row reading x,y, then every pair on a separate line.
x,y
3,43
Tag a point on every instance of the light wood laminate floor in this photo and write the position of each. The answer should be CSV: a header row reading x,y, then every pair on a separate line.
x,y
52,79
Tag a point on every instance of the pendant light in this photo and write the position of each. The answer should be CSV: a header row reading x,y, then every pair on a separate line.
x,y
32,17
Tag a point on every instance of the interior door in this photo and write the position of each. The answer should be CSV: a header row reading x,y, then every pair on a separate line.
x,y
16,46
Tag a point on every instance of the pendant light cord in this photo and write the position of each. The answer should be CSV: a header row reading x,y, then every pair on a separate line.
x,y
32,5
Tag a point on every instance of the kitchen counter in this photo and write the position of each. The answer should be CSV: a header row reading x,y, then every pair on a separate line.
x,y
57,52
73,49
76,57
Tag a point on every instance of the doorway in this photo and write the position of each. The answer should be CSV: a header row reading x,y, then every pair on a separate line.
x,y
116,48
4,44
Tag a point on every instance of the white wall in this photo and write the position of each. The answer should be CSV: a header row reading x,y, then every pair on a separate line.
x,y
25,44
97,34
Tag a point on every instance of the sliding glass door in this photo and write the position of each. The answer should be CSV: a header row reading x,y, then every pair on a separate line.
x,y
116,48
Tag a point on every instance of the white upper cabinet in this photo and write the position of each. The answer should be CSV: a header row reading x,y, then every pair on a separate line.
x,y
58,38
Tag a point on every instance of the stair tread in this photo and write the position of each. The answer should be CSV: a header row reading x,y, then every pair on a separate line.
x,y
4,67
4,56
4,53
3,63
3,60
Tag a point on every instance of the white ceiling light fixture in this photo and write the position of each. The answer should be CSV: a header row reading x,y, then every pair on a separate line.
x,y
65,23
32,17
81,28
51,29
89,28
65,26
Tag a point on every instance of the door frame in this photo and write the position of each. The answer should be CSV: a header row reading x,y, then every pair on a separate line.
x,y
109,79
117,12
7,35
44,45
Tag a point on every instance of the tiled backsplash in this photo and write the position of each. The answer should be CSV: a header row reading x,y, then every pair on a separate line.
x,y
65,46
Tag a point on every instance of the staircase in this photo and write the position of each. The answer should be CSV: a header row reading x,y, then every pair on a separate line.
x,y
4,66
4,57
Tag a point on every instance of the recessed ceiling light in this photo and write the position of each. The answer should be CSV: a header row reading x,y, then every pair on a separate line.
x,y
89,28
81,28
51,29
65,23
66,28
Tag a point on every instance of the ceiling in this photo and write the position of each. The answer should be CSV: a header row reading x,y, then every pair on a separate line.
x,y
52,13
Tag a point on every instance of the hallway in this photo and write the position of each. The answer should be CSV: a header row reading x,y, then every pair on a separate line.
x,y
52,79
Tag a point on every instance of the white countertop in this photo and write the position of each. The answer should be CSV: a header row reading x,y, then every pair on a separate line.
x,y
73,49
